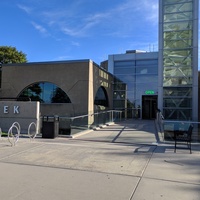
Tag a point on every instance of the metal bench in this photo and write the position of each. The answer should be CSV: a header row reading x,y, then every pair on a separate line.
x,y
183,137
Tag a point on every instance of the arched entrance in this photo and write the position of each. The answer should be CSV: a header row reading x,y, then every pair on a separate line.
x,y
101,98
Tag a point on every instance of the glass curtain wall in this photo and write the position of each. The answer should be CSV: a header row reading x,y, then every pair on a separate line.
x,y
177,59
133,79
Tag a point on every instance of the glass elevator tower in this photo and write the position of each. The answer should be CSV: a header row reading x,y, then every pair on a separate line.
x,y
178,59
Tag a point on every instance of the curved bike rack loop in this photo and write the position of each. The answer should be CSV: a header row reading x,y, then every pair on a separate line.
x,y
16,136
32,136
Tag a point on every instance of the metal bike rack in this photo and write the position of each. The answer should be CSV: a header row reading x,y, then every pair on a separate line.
x,y
33,134
15,137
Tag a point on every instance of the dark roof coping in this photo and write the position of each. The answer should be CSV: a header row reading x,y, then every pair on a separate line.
x,y
51,62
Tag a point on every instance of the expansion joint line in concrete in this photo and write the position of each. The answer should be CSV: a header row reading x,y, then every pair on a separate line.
x,y
140,178
21,152
173,181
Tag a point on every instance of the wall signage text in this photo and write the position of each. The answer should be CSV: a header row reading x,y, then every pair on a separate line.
x,y
13,109
149,92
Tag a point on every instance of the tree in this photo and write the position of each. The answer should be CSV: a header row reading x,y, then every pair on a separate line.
x,y
10,54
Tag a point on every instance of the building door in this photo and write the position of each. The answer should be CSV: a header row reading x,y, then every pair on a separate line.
x,y
149,106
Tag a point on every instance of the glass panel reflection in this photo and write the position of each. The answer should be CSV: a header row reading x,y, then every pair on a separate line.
x,y
178,102
45,92
178,53
120,86
146,79
119,95
178,35
119,104
178,16
178,71
182,7
174,44
124,64
177,26
147,62
187,92
147,70
126,78
124,70
177,61
180,114
175,1
177,81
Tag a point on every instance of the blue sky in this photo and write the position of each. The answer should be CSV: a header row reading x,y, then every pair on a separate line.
x,y
51,30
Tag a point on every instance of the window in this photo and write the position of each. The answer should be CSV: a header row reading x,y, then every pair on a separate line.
x,y
45,92
147,62
124,64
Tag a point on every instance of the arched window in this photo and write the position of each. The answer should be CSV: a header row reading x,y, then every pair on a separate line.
x,y
45,92
101,97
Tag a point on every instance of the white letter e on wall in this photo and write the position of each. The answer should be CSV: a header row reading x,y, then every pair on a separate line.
x,y
5,109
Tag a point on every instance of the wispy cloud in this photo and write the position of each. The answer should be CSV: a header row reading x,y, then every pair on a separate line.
x,y
64,58
77,44
150,10
137,10
120,20
38,27
125,18
97,17
27,9
75,26
81,29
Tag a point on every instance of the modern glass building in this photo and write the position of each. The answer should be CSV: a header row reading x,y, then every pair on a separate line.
x,y
135,87
178,59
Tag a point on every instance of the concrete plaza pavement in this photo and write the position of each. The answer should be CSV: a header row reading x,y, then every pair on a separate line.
x,y
122,161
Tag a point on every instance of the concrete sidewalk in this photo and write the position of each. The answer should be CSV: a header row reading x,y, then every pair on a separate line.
x,y
119,162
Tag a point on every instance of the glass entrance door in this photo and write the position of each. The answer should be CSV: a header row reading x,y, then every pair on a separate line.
x,y
149,106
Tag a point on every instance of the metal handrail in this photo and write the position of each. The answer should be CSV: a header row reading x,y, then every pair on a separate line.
x,y
81,116
72,125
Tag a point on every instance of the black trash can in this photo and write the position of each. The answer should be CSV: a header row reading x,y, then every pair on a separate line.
x,y
50,127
